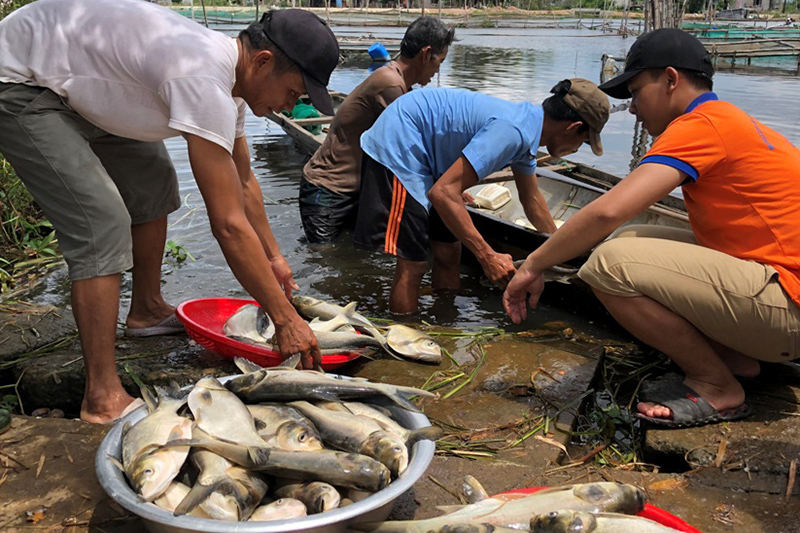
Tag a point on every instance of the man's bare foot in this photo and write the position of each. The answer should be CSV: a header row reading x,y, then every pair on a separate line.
x,y
105,409
730,397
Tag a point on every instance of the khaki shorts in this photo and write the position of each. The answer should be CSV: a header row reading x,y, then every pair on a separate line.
x,y
740,304
90,184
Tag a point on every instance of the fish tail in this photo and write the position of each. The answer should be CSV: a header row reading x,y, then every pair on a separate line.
x,y
245,365
431,433
197,495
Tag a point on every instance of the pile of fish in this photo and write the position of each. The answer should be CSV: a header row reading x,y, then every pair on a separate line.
x,y
583,508
338,329
271,444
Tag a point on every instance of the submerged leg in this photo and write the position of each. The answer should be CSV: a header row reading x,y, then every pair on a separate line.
x,y
404,296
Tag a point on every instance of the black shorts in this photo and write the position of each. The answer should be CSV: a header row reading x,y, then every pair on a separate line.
x,y
325,213
390,220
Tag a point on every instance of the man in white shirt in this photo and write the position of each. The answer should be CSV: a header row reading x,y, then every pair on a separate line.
x,y
88,91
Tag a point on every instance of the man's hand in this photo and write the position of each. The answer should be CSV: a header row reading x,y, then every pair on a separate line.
x,y
283,273
297,337
525,281
499,268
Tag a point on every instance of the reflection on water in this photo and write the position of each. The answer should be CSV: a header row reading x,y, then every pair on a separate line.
x,y
516,64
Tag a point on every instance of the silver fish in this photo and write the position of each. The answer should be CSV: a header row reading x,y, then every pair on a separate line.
x,y
318,497
285,428
251,324
383,418
221,414
260,385
515,510
314,308
173,496
337,323
148,465
283,509
352,433
570,521
413,344
214,492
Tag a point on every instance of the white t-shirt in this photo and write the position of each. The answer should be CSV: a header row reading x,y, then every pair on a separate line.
x,y
132,68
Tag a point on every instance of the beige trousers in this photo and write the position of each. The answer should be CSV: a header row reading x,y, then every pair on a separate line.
x,y
740,304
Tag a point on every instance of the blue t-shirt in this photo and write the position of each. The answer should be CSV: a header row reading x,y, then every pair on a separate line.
x,y
422,133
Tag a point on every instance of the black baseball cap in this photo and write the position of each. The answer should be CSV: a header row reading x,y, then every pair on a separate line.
x,y
667,47
310,43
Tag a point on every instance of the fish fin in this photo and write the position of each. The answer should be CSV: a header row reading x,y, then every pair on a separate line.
x,y
472,490
197,495
149,399
116,462
246,366
290,362
447,509
315,320
126,427
403,402
427,433
349,309
415,391
320,395
260,424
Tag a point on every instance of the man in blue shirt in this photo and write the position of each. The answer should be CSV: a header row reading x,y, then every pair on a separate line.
x,y
431,145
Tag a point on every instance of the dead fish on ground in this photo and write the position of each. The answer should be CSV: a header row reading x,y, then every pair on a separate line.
x,y
148,465
413,344
352,433
569,521
318,497
250,324
260,385
515,509
285,428
384,419
283,509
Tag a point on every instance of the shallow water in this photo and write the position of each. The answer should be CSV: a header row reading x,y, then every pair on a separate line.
x,y
516,64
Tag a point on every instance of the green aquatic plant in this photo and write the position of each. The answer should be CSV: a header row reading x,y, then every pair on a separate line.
x,y
177,253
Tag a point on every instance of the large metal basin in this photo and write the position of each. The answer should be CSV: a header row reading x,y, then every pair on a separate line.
x,y
374,508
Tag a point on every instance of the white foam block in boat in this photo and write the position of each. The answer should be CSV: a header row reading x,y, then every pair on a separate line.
x,y
493,196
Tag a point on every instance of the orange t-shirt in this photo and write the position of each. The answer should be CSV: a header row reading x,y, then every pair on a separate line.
x,y
743,195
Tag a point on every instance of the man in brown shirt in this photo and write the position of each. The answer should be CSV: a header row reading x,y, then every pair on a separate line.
x,y
332,177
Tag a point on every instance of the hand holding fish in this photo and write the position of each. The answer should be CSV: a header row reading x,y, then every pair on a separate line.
x,y
499,268
525,281
283,273
296,337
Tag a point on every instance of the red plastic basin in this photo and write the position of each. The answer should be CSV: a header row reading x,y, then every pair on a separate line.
x,y
203,319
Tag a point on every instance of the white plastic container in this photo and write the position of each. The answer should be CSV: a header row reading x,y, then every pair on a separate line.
x,y
492,196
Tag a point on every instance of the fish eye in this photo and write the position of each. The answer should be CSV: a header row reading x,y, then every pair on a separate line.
x,y
302,437
148,471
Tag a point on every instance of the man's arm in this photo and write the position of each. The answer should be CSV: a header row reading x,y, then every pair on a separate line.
x,y
218,181
254,209
588,227
533,202
446,198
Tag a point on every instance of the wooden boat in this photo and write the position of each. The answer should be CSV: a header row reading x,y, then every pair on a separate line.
x,y
567,186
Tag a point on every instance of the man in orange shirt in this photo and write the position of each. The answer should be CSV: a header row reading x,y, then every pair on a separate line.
x,y
720,298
